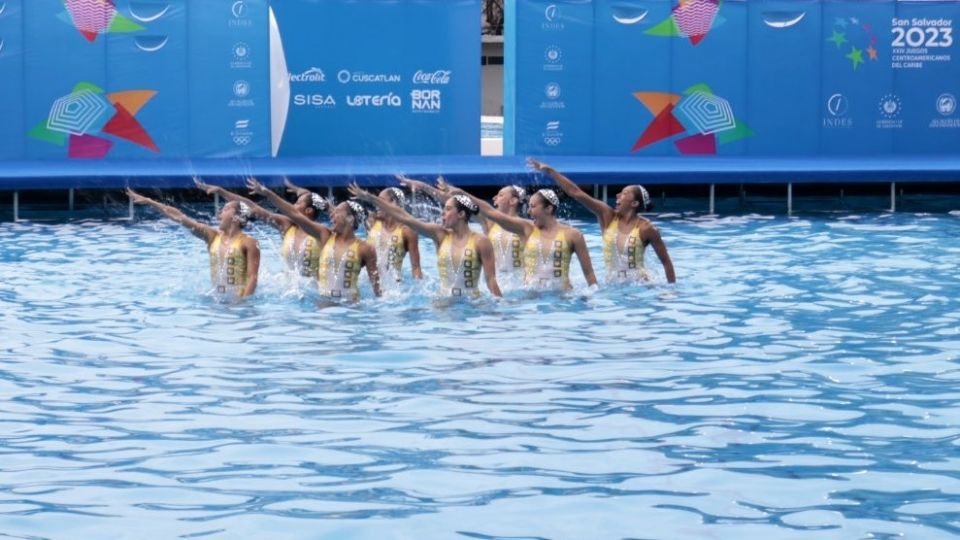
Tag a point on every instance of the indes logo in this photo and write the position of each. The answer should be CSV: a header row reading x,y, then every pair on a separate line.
x,y
837,108
704,119
440,76
425,101
87,119
313,74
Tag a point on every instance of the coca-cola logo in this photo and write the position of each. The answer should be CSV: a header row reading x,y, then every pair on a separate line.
x,y
440,76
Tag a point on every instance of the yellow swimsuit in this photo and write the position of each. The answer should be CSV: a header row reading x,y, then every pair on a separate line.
x,y
390,249
552,271
338,279
508,249
459,279
228,267
304,260
624,264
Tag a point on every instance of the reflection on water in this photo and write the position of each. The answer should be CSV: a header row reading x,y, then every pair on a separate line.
x,y
800,381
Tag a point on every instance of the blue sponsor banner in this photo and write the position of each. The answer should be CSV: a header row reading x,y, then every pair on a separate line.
x,y
927,78
11,80
784,103
764,78
229,78
378,77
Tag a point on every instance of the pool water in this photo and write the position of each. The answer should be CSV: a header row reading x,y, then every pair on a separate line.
x,y
800,381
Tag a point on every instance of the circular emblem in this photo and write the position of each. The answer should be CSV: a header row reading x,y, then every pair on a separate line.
x,y
838,105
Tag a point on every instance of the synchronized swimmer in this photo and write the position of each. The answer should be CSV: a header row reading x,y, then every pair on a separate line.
x,y
534,252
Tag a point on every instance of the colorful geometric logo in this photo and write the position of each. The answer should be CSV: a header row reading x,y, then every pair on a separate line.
x,y
706,120
95,17
82,118
692,19
848,33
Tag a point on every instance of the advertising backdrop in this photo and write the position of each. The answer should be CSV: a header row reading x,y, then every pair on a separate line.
x,y
180,79
722,77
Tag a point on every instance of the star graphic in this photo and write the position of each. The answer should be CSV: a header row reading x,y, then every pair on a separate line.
x,y
838,37
855,56
854,20
872,53
841,22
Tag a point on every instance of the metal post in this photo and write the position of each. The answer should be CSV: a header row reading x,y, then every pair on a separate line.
x,y
605,193
16,206
330,194
789,199
130,209
893,196
216,203
70,198
596,190
713,192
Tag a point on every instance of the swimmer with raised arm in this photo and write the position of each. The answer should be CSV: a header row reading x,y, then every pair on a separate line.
x,y
507,246
548,244
234,256
626,234
300,250
392,240
461,253
342,255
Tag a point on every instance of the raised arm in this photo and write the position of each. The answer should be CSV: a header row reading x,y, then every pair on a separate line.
x,y
431,230
277,221
369,256
660,248
414,185
310,227
449,189
487,258
583,255
204,232
601,209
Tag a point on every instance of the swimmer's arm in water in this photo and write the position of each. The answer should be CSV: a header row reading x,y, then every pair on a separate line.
x,y
368,256
487,261
414,185
583,255
204,232
252,249
308,226
433,231
601,209
278,221
412,242
652,235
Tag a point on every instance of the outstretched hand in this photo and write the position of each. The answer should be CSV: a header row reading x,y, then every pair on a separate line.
x,y
205,187
136,197
361,194
537,165
255,186
292,188
409,183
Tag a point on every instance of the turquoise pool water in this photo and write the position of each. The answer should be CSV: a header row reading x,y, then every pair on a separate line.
x,y
800,381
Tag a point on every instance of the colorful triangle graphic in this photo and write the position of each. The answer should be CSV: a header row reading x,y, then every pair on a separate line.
x,y
663,126
125,126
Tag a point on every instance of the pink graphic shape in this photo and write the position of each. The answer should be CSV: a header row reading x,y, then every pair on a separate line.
x,y
664,126
91,17
695,17
697,145
88,147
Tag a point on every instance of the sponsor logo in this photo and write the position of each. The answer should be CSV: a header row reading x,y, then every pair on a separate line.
x,y
551,15
241,89
346,76
368,100
313,74
946,104
242,124
890,108
241,134
239,9
552,136
440,76
552,92
241,15
837,107
241,56
553,56
321,101
425,101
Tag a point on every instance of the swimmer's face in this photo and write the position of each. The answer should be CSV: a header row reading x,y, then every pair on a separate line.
x,y
386,195
451,214
342,217
304,205
505,199
229,213
539,209
626,199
